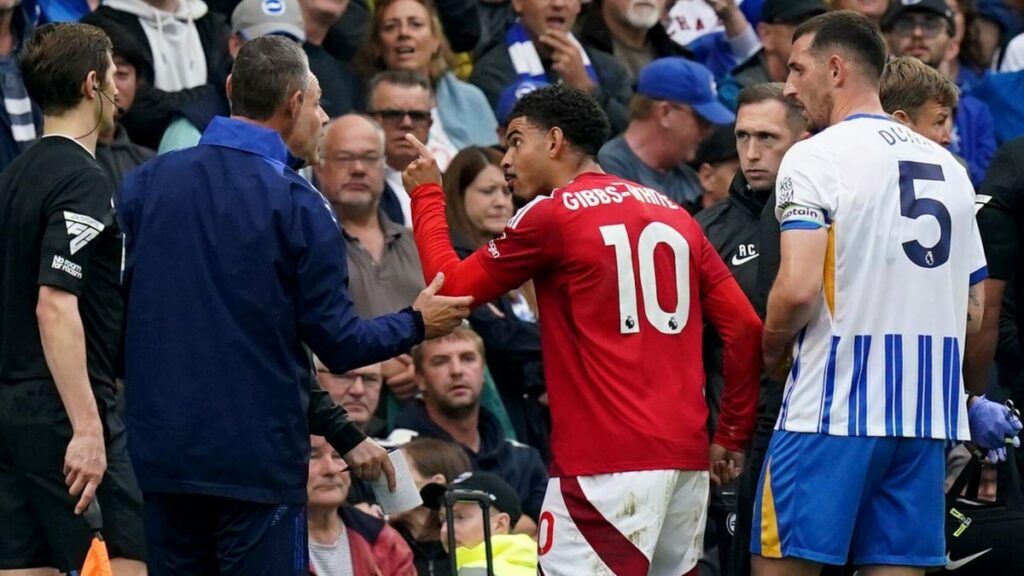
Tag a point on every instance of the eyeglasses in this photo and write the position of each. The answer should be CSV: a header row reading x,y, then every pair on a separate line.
x,y
931,26
348,160
390,116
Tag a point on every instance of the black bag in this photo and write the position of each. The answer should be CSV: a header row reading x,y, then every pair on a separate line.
x,y
985,538
483,499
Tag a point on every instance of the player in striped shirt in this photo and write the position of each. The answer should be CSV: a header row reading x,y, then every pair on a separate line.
x,y
881,260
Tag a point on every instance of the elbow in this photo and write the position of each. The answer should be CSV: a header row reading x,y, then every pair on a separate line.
x,y
48,306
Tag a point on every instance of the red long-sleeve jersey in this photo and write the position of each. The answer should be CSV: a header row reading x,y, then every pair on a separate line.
x,y
625,279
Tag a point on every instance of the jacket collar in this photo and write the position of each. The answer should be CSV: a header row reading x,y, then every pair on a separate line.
x,y
742,197
247,137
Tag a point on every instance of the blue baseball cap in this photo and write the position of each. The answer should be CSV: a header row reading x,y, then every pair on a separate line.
x,y
511,94
684,82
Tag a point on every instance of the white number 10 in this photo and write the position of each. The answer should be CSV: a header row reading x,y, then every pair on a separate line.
x,y
665,321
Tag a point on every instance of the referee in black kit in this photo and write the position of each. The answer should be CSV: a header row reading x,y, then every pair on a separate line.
x,y
61,312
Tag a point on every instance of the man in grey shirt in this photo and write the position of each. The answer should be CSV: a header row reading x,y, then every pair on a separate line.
x,y
673,110
383,265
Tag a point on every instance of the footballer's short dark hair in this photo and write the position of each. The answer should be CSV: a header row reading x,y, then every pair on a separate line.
x,y
575,112
849,31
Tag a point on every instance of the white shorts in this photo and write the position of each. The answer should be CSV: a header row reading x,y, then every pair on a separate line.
x,y
624,524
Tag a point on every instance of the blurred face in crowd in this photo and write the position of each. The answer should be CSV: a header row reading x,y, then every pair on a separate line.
x,y
468,519
933,120
451,376
763,136
401,110
809,83
126,80
324,12
684,129
777,39
351,171
109,88
488,201
873,9
923,35
959,21
309,118
715,180
988,37
407,36
638,14
541,16
328,485
357,391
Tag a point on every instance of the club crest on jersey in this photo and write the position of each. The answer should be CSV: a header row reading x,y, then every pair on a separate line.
x,y
81,229
785,191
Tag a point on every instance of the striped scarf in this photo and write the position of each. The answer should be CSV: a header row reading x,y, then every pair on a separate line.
x,y
526,60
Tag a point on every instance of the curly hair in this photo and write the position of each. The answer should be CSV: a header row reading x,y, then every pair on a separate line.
x,y
575,112
370,58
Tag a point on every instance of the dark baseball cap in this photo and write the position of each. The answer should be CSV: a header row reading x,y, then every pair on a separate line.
x,y
899,8
684,82
718,147
791,11
503,496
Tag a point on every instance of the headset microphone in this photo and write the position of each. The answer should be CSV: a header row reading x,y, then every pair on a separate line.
x,y
120,110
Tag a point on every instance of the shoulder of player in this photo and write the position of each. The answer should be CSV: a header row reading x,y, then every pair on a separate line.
x,y
539,207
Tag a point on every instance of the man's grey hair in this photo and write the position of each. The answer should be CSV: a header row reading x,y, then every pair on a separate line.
x,y
405,78
267,71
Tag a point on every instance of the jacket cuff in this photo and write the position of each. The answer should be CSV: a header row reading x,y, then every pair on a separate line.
x,y
345,438
419,328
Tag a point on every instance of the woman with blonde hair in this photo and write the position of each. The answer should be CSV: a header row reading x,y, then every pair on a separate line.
x,y
407,35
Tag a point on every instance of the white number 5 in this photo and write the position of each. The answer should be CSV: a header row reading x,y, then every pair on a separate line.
x,y
665,321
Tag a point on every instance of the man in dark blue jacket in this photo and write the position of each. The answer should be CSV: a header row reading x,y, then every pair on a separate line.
x,y
234,266
450,375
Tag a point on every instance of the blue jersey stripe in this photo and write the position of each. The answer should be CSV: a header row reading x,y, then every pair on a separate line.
x,y
955,388
927,419
795,375
890,378
946,380
897,353
830,386
857,403
862,395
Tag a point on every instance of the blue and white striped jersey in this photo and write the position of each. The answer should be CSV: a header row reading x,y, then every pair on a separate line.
x,y
882,355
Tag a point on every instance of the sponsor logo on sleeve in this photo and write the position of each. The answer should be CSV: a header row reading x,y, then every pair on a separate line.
x,y
67,266
81,229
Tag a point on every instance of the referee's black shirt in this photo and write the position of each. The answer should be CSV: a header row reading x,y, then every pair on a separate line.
x,y
57,228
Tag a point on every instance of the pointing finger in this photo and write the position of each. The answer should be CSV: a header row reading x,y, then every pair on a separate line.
x,y
420,148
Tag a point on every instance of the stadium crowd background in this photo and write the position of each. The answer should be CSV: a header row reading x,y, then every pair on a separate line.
x,y
449,72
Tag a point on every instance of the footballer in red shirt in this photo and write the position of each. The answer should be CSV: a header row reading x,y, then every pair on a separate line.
x,y
625,280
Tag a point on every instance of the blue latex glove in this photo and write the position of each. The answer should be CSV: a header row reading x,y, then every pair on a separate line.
x,y
993,427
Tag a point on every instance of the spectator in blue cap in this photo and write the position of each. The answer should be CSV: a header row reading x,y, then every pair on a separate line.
x,y
674,108
509,96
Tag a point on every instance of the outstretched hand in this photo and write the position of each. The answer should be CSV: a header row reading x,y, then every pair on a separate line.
x,y
422,170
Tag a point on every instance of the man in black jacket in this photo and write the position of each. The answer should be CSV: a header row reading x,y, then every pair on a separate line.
x,y
766,126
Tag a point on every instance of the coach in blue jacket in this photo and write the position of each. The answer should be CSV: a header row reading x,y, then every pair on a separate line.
x,y
234,265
